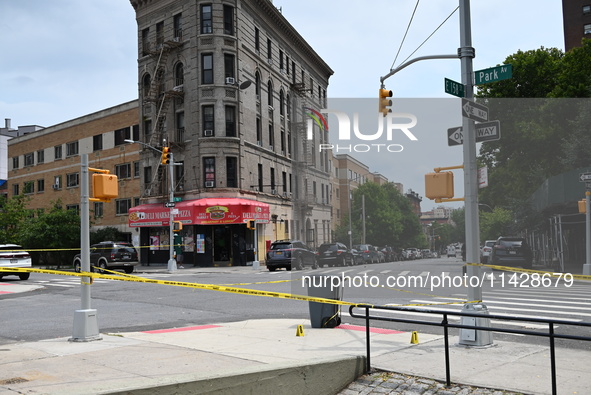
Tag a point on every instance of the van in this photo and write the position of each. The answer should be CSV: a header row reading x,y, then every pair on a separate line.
x,y
451,251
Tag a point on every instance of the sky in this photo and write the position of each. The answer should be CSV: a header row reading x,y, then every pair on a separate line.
x,y
63,59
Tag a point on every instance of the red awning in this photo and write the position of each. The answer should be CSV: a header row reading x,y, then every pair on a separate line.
x,y
207,211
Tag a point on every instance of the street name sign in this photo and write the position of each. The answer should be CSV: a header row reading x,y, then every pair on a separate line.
x,y
474,111
454,88
486,131
493,74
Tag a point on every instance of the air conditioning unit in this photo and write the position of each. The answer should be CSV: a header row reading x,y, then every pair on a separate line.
x,y
209,184
230,81
178,88
208,132
56,186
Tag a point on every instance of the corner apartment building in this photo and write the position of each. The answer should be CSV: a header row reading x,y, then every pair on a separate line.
x,y
576,16
44,163
229,87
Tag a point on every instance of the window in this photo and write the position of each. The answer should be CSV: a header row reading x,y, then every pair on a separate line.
x,y
41,185
270,94
57,182
147,128
145,42
259,132
177,23
209,172
206,21
15,189
207,69
15,163
230,121
160,33
29,187
75,207
231,172
72,148
228,65
146,84
281,102
272,174
121,135
587,29
269,51
282,142
180,127
40,156
284,182
179,176
29,159
586,9
72,180
257,41
99,209
271,137
228,19
97,142
135,132
147,175
123,171
260,176
208,121
281,60
257,85
122,206
136,169
179,74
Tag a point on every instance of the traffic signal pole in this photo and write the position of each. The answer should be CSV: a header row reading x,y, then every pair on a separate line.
x,y
472,241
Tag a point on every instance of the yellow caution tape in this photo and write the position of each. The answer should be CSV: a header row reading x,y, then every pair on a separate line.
x,y
520,270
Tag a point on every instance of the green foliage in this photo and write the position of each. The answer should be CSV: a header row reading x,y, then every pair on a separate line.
x,y
494,224
389,219
13,214
53,236
108,233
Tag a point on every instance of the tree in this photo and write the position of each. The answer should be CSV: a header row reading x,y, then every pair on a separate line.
x,y
54,236
13,216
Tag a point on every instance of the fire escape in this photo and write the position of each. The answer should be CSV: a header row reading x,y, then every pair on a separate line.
x,y
165,87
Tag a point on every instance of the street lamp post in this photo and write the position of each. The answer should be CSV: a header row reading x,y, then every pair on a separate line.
x,y
171,267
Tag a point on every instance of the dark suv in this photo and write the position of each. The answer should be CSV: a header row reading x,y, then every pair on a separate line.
x,y
511,251
290,253
110,255
334,254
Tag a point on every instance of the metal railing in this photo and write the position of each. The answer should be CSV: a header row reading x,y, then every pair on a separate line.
x,y
551,334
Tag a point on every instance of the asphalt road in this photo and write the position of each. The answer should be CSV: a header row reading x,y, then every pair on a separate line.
x,y
48,312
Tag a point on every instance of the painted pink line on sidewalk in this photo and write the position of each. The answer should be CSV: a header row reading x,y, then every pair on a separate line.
x,y
372,330
188,328
6,292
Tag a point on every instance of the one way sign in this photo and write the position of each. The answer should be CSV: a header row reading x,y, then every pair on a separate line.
x,y
487,131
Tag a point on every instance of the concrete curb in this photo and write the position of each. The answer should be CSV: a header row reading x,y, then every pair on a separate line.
x,y
320,376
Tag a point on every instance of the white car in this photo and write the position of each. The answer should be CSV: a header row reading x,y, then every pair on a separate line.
x,y
12,255
486,250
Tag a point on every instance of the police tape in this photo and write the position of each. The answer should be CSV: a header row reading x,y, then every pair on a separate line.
x,y
520,270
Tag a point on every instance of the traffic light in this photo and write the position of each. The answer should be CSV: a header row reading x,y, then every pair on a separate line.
x,y
439,185
177,226
583,206
105,186
165,155
384,102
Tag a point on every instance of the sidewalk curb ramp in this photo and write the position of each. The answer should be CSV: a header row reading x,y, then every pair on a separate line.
x,y
319,376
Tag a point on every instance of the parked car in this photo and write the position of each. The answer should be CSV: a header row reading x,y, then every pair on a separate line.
x,y
381,255
390,254
511,251
357,257
110,255
426,253
12,255
334,254
290,254
486,250
370,255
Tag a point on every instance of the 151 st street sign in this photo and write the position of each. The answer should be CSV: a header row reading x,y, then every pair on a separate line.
x,y
487,131
493,74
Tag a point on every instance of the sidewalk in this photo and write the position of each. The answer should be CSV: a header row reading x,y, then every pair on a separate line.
x,y
266,356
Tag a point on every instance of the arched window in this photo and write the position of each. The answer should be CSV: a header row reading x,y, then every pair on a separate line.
x,y
179,74
257,83
270,93
146,82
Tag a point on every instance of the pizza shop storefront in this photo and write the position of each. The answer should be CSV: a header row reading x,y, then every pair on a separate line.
x,y
215,231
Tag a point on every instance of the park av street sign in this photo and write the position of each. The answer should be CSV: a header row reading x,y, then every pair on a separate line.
x,y
493,74
487,131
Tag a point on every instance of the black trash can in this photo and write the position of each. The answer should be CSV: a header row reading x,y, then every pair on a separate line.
x,y
324,315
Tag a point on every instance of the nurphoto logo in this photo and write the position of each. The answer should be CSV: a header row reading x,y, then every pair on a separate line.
x,y
348,130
